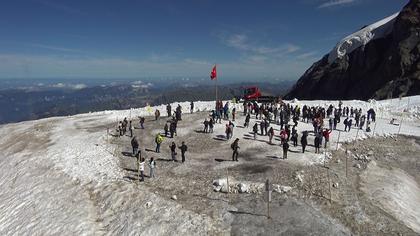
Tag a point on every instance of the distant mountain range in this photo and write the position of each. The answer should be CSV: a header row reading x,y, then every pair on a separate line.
x,y
379,61
30,102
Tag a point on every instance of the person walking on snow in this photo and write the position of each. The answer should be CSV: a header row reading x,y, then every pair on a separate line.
x,y
304,140
235,148
183,148
317,142
169,110
294,137
233,113
191,107
349,124
346,123
326,135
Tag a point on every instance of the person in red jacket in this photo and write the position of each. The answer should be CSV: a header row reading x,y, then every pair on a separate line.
x,y
326,135
283,136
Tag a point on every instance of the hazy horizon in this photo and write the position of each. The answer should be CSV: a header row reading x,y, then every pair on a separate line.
x,y
155,39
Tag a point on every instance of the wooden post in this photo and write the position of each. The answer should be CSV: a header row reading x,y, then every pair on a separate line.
x,y
357,133
346,162
267,188
399,127
138,166
329,182
338,139
227,183
374,127
107,135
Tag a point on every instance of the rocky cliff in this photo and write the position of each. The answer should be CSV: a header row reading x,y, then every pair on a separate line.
x,y
379,61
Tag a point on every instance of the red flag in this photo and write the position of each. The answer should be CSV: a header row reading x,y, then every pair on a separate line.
x,y
213,74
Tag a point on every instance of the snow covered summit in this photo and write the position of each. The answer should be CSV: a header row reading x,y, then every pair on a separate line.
x,y
380,61
360,38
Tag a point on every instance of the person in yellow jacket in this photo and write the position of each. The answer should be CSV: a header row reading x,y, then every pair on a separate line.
x,y
158,141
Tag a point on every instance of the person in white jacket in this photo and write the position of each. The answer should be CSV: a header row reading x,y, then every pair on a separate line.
x,y
140,166
152,166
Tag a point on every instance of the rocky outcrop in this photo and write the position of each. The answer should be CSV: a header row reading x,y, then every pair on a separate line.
x,y
384,67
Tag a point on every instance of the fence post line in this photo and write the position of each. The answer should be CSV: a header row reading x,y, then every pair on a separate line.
x,y
227,183
374,127
399,127
338,139
329,183
357,133
346,163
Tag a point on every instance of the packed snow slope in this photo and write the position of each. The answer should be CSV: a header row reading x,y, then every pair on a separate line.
x,y
380,61
61,175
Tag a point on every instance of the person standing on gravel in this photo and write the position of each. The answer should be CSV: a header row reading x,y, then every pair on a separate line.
x,y
235,148
183,149
270,135
152,166
206,126
134,145
140,166
255,130
228,132
142,122
211,125
173,151
157,114
285,149
158,141
247,118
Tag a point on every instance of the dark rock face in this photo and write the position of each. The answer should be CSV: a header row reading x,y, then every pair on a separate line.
x,y
383,68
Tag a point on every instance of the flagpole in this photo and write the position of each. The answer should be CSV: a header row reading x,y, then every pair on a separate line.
x,y
215,86
216,89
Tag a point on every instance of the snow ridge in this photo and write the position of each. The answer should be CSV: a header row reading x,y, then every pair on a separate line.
x,y
362,37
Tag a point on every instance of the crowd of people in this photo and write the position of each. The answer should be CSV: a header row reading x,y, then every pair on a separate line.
x,y
286,115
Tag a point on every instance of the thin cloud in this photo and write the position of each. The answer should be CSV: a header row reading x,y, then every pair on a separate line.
x,y
308,55
334,3
61,7
242,43
54,48
35,66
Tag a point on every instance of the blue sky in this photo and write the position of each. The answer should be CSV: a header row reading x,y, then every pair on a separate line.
x,y
153,38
